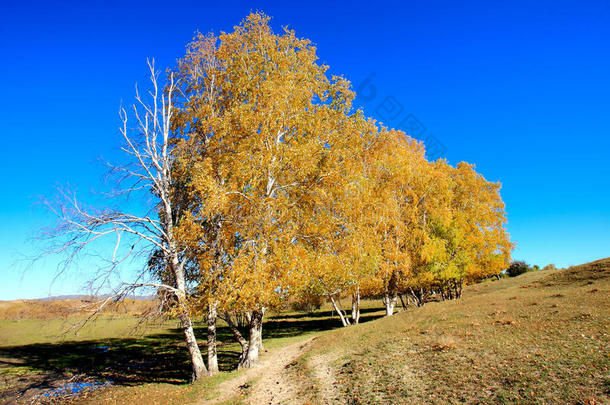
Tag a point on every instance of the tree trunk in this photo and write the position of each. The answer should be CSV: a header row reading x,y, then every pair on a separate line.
x,y
344,320
458,289
390,303
251,357
212,352
417,296
197,363
402,301
238,336
356,306
261,347
391,294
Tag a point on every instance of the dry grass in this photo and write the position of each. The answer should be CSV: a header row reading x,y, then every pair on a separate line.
x,y
68,308
540,338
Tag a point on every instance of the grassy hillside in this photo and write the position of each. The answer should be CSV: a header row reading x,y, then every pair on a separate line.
x,y
538,338
541,337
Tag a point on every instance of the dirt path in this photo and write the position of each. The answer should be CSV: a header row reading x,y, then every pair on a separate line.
x,y
325,377
267,382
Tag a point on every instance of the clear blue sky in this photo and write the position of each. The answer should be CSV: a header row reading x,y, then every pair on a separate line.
x,y
521,89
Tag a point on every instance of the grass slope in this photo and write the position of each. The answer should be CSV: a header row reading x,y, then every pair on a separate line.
x,y
540,338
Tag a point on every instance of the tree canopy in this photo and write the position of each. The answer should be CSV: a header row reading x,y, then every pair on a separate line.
x,y
272,188
294,194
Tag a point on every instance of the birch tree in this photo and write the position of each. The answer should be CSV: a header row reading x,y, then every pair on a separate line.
x,y
340,254
399,181
146,179
269,120
467,235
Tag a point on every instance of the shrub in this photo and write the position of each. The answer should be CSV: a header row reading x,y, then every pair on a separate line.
x,y
307,303
549,267
517,268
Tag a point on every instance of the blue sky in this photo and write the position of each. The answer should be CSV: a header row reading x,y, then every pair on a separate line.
x,y
518,88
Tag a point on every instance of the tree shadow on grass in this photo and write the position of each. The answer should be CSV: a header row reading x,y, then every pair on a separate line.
x,y
327,314
153,358
287,326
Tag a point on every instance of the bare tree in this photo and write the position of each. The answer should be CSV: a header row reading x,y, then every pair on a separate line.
x,y
148,147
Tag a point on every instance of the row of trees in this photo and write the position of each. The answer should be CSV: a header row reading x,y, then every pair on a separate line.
x,y
268,187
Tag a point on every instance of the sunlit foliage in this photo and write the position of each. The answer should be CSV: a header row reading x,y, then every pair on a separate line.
x,y
289,192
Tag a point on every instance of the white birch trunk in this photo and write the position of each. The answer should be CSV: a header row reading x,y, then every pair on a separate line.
x,y
199,369
251,358
344,319
356,307
238,336
212,352
390,304
261,347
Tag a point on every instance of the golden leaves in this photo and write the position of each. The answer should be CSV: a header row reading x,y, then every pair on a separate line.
x,y
287,189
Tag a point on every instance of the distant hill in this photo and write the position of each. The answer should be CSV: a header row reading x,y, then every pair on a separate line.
x,y
70,306
90,297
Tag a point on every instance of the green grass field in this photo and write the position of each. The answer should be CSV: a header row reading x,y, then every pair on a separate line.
x,y
540,338
144,361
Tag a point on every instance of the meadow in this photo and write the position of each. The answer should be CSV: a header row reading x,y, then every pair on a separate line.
x,y
539,338
143,360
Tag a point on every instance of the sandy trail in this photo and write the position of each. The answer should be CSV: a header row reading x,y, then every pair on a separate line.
x,y
325,377
265,383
